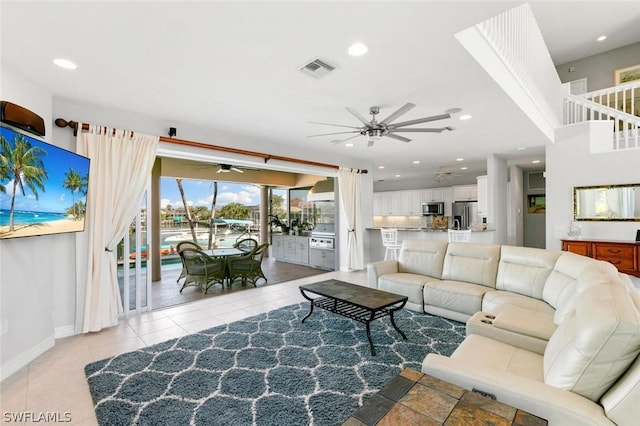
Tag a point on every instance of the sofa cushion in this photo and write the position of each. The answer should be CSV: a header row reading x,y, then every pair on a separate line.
x,y
621,400
523,332
524,270
538,324
471,263
409,285
593,347
454,296
560,288
494,300
484,352
424,257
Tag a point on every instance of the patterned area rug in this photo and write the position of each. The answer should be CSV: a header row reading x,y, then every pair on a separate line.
x,y
269,369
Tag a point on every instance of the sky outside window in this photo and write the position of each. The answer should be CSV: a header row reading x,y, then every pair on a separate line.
x,y
200,193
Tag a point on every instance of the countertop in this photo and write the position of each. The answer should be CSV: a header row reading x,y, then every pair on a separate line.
x,y
422,229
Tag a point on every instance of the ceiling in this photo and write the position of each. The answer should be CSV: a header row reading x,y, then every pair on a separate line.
x,y
234,67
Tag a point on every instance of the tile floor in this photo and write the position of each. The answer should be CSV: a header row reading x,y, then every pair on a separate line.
x,y
55,384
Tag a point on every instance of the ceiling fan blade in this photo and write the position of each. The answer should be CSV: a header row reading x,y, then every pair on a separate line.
x,y
358,116
235,169
335,142
425,130
420,120
331,124
335,133
349,138
397,137
402,110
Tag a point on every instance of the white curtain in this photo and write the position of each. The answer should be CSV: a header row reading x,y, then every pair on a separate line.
x,y
118,173
349,181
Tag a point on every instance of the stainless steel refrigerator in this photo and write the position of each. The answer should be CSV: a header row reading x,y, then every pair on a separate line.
x,y
464,214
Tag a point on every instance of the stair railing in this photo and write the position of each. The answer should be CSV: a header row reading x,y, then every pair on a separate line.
x,y
624,97
626,135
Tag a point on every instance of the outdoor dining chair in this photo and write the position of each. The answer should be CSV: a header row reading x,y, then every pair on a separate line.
x,y
183,245
248,268
202,270
246,244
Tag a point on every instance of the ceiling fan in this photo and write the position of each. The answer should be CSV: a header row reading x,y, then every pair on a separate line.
x,y
374,130
226,168
442,175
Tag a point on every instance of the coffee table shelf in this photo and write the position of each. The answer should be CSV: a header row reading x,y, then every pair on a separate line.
x,y
348,310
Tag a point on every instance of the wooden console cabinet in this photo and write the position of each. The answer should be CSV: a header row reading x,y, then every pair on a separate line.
x,y
624,255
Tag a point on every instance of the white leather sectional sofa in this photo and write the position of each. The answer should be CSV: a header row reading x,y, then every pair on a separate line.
x,y
550,332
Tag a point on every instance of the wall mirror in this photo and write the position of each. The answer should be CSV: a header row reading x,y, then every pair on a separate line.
x,y
607,203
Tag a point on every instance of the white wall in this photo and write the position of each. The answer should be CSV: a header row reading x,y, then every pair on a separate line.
x,y
569,163
30,268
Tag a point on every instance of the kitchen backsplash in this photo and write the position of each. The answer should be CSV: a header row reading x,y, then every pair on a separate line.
x,y
431,222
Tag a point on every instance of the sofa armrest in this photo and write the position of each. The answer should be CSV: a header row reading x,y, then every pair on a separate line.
x,y
559,407
376,269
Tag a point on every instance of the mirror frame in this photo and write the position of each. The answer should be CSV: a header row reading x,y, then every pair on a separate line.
x,y
596,219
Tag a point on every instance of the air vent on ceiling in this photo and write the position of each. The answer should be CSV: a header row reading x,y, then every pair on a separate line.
x,y
317,68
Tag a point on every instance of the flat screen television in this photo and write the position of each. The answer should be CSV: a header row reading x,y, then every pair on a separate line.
x,y
43,188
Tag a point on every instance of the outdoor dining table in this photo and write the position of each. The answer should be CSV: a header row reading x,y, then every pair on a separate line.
x,y
224,252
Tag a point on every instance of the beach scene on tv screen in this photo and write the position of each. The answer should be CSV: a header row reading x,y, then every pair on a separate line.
x,y
43,188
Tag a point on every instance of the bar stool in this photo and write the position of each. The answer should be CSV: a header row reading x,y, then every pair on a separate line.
x,y
390,243
459,236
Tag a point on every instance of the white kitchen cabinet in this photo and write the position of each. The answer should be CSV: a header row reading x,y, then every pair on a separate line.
x,y
465,193
397,203
302,250
411,202
324,259
277,246
433,194
290,248
385,203
448,200
483,195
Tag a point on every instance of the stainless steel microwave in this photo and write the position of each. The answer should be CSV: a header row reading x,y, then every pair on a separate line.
x,y
433,208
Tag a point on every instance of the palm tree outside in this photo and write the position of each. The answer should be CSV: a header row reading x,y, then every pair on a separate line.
x,y
23,164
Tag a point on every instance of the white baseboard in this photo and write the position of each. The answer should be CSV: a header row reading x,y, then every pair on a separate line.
x,y
64,331
25,358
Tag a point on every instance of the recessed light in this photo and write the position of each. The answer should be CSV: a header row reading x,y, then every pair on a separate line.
x,y
602,38
358,49
460,159
416,161
397,175
65,63
463,168
535,161
522,148
465,117
381,167
348,144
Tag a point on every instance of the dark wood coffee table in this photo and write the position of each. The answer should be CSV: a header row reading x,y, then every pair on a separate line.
x,y
362,304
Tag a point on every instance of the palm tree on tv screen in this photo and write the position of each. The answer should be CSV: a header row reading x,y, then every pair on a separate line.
x,y
73,182
23,164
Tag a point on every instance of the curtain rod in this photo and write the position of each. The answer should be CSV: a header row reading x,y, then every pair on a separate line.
x,y
61,122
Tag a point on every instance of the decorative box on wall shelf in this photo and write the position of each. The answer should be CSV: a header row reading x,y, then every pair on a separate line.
x,y
624,255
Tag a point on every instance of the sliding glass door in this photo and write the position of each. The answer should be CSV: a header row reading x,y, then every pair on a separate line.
x,y
134,262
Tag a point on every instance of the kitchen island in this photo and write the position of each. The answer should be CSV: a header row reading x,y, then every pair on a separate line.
x,y
375,250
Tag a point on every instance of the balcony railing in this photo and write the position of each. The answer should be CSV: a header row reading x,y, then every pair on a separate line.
x,y
614,104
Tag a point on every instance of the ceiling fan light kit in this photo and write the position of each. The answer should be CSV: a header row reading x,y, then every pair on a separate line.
x,y
374,130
